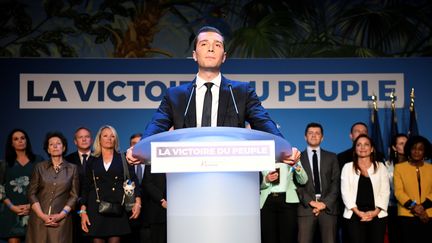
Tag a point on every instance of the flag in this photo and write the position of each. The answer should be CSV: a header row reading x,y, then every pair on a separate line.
x,y
376,132
393,125
413,129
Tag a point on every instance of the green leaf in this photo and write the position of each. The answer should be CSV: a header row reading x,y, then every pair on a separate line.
x,y
5,31
120,10
22,21
75,2
27,50
83,22
41,47
53,7
66,50
67,30
103,16
69,13
51,36
4,52
6,9
102,35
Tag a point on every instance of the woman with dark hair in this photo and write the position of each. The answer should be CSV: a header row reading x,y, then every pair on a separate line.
x,y
365,190
53,192
413,190
397,155
15,208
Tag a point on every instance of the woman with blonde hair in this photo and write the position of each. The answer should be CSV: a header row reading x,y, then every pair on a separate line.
x,y
104,181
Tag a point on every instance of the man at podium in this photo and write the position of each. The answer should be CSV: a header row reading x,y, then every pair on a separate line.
x,y
211,99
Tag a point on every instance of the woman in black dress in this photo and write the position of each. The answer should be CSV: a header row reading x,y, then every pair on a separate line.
x,y
105,172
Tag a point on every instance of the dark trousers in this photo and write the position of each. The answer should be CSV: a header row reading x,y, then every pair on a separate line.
x,y
140,232
158,232
278,220
413,230
393,228
321,228
365,232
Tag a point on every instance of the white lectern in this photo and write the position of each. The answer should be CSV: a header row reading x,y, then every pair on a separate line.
x,y
212,180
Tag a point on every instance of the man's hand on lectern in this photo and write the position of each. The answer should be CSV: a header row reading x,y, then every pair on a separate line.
x,y
293,158
130,158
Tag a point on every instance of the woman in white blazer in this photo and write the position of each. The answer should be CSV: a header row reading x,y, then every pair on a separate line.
x,y
365,192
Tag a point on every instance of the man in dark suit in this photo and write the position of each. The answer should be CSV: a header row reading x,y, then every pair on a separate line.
x,y
346,156
209,100
83,141
230,103
154,185
318,206
140,227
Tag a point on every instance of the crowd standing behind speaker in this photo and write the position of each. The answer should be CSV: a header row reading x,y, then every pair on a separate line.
x,y
51,215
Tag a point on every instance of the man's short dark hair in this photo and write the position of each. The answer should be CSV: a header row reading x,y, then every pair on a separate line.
x,y
208,29
136,135
314,124
359,123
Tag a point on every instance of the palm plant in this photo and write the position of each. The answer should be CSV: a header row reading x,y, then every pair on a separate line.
x,y
334,29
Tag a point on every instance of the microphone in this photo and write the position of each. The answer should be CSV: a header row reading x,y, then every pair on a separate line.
x,y
188,103
235,105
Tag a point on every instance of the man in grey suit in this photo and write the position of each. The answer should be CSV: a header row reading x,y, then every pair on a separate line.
x,y
319,196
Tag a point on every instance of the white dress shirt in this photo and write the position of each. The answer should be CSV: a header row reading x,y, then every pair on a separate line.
x,y
81,156
199,98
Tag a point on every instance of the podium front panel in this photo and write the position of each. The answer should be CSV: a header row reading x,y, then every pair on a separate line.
x,y
213,207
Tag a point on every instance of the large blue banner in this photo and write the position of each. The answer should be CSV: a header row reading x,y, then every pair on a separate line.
x,y
41,95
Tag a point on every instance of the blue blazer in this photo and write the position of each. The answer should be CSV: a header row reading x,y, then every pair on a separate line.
x,y
173,106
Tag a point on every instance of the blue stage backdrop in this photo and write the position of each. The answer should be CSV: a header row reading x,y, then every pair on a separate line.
x,y
41,95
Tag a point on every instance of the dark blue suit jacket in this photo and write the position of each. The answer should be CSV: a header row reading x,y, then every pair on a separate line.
x,y
171,114
173,106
